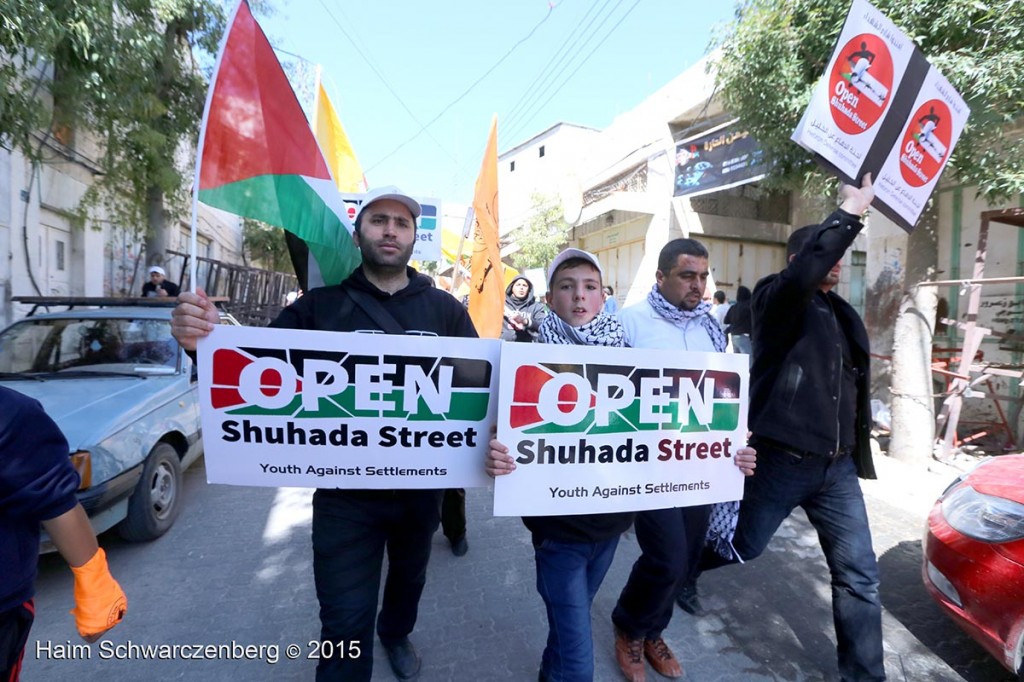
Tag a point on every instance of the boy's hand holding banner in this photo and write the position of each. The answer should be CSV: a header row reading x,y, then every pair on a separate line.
x,y
597,429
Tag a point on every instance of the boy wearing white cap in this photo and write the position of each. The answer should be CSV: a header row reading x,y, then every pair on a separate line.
x,y
572,553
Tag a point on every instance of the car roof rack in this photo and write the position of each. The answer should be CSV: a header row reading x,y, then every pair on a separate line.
x,y
71,302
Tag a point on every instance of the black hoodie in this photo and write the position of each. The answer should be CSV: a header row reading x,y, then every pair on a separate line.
x,y
529,306
419,308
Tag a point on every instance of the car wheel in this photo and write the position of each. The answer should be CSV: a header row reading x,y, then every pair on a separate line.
x,y
154,504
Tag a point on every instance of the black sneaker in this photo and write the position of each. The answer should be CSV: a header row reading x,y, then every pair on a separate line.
x,y
404,660
460,546
689,601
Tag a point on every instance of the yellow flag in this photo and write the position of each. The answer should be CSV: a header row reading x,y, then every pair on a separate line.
x,y
487,281
348,175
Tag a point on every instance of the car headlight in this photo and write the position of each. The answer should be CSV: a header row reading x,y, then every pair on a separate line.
x,y
82,461
983,517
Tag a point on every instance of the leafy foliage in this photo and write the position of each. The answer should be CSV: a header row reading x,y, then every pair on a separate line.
x,y
266,245
776,50
126,71
543,236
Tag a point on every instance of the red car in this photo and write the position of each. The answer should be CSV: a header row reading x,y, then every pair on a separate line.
x,y
974,556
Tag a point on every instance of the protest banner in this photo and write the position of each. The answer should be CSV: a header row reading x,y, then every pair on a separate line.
x,y
595,429
283,407
882,108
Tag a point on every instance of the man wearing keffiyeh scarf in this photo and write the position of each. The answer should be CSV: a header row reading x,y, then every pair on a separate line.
x,y
674,315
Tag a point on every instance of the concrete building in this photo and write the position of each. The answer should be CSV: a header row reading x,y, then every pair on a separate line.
x,y
545,165
628,211
46,254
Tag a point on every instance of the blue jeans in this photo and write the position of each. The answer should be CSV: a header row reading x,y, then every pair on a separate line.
x,y
741,343
830,494
568,576
351,532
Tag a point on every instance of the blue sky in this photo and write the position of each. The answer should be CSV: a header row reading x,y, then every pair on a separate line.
x,y
585,62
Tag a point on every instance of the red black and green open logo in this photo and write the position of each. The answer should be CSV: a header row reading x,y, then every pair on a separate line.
x,y
605,399
328,384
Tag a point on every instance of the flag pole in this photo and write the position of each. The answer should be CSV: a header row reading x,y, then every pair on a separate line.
x,y
193,272
457,278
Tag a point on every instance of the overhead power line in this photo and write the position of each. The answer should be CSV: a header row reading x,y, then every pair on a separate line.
x,y
538,109
548,67
458,99
386,83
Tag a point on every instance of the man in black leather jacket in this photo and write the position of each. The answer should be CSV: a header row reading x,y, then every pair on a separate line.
x,y
810,418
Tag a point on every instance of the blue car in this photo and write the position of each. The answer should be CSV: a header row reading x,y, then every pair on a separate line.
x,y
125,395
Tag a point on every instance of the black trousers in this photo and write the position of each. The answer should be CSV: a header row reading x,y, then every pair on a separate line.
x,y
351,531
453,514
670,542
14,627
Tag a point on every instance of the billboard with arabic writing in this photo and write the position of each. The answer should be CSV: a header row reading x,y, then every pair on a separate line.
x,y
723,157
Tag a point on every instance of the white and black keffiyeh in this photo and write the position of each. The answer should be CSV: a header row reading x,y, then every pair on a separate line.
x,y
680,317
722,529
603,330
724,515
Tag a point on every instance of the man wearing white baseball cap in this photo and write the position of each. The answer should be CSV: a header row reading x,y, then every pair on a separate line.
x,y
159,285
353,528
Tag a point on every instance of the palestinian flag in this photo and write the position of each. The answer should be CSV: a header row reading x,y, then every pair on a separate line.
x,y
259,156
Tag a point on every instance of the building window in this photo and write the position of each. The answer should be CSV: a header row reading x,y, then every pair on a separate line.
x,y
542,151
511,166
60,255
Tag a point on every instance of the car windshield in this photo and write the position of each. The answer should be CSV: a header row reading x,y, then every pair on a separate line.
x,y
87,345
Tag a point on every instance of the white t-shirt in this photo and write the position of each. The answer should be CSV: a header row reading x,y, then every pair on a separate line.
x,y
719,311
647,329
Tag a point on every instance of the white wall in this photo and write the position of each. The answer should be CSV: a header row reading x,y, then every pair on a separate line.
x,y
564,144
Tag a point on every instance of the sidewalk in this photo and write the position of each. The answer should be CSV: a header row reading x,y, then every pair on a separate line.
x,y
767,620
237,568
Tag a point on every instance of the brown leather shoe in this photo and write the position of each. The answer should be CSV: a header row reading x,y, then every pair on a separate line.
x,y
629,653
662,659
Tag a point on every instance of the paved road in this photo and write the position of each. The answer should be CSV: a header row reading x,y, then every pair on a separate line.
x,y
235,569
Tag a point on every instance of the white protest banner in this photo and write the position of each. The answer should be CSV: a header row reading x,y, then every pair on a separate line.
x,y
428,225
867,67
596,429
869,97
282,407
911,171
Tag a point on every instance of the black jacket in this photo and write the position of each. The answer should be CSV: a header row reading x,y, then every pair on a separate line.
x,y
797,356
419,308
530,306
172,289
737,319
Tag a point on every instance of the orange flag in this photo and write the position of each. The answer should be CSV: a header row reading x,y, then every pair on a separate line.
x,y
487,282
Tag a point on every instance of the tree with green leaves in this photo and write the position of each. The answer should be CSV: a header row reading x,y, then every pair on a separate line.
x,y
772,56
775,51
265,245
543,235
128,73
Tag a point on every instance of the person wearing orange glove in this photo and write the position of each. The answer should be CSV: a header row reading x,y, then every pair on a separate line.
x,y
37,486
